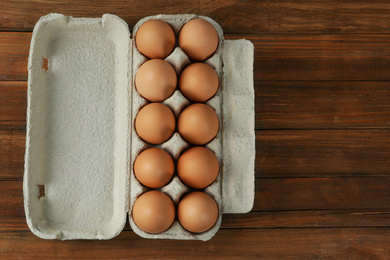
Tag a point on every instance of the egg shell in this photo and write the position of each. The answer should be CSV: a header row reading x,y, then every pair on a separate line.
x,y
197,212
156,80
198,167
155,39
153,212
154,167
198,82
198,124
155,123
198,39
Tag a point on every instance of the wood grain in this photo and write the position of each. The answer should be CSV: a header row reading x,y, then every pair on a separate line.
x,y
12,146
11,201
308,218
322,85
14,49
283,153
276,57
279,105
322,193
323,105
298,194
13,100
267,219
309,17
307,243
322,153
320,57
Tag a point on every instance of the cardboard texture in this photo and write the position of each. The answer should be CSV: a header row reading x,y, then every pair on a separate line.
x,y
80,140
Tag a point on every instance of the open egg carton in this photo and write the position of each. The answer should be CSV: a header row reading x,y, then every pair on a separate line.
x,y
81,143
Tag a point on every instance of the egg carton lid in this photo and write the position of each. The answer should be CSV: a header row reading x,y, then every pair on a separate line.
x,y
76,177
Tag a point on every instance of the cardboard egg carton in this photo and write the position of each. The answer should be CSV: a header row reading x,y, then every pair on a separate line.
x,y
176,145
81,143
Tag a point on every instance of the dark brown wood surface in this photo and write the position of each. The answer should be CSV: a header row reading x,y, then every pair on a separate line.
x,y
322,86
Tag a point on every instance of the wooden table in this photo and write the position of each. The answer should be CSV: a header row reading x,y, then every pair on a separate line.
x,y
322,82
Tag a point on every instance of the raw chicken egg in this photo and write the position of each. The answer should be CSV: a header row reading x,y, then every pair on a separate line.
x,y
198,39
155,39
154,167
197,212
198,82
198,167
154,212
155,123
156,80
198,124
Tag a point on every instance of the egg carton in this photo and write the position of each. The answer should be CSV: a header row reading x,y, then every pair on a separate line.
x,y
80,140
176,145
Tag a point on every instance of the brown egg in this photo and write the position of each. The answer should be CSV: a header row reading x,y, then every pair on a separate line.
x,y
155,39
198,167
198,82
198,39
156,80
198,124
153,212
154,167
155,123
197,212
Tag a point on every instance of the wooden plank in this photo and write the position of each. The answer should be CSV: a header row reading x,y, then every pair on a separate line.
x,y
268,219
322,193
13,100
322,105
283,153
321,57
14,49
308,218
11,199
12,146
311,17
279,105
322,153
276,57
274,194
13,224
307,243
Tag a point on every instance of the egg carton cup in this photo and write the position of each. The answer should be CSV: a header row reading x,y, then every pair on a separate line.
x,y
80,138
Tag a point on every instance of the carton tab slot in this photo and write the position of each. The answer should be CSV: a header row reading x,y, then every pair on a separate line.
x,y
41,189
45,64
